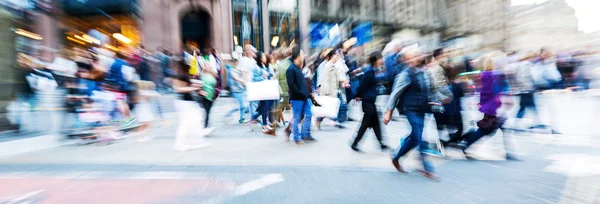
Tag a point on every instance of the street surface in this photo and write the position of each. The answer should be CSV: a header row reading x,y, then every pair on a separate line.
x,y
244,166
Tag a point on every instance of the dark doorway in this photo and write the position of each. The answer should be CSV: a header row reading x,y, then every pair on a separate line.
x,y
196,29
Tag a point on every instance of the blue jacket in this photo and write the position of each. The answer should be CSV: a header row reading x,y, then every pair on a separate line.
x,y
368,86
393,67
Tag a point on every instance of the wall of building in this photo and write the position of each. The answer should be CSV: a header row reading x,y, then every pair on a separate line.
x,y
162,22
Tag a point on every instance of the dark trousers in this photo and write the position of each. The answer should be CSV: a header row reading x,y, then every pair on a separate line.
x,y
442,120
370,120
526,102
473,137
207,105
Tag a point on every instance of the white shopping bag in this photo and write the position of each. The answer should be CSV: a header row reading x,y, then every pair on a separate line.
x,y
329,107
264,90
431,136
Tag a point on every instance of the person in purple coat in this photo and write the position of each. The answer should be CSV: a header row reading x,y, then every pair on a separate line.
x,y
493,86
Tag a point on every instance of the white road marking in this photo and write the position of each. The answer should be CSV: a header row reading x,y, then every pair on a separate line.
x,y
24,197
262,182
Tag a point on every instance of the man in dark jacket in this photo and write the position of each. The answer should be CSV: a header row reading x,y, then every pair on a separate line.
x,y
367,93
299,98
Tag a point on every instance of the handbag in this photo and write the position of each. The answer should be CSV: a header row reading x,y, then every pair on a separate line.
x,y
329,107
487,122
432,137
263,90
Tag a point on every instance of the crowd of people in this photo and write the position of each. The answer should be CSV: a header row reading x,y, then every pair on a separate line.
x,y
111,90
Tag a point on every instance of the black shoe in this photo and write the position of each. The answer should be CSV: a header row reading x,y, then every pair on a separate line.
x,y
309,140
356,149
512,157
385,148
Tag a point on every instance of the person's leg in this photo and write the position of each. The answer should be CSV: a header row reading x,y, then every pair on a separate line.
x,y
416,121
297,107
376,125
253,107
364,124
307,112
264,111
458,124
475,136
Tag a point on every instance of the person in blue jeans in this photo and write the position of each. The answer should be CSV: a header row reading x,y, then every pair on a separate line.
x,y
237,86
412,90
299,98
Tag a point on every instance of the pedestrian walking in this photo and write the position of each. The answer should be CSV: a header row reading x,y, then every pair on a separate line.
x,y
300,99
209,77
262,72
237,86
189,135
412,90
367,93
144,111
493,86
330,83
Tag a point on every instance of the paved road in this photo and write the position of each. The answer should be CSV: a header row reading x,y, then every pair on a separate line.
x,y
245,166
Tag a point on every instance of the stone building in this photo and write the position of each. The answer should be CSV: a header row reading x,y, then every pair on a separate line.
x,y
549,24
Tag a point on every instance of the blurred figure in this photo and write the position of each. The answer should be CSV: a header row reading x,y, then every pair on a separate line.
x,y
544,71
494,86
367,93
393,63
144,111
299,98
247,64
284,103
412,92
189,113
209,78
452,115
330,82
261,73
124,91
525,88
237,86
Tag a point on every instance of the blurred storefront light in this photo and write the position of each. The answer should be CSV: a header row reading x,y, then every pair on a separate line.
x,y
83,39
113,48
75,40
91,39
275,41
121,38
28,34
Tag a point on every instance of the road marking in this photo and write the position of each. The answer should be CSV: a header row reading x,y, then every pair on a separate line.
x,y
24,197
262,182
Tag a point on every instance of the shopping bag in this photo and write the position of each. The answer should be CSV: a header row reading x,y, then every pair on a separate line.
x,y
329,107
432,137
264,90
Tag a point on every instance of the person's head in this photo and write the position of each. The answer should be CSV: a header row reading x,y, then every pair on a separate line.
x,y
495,61
261,59
412,57
249,51
376,59
275,56
438,54
287,53
545,54
332,56
298,56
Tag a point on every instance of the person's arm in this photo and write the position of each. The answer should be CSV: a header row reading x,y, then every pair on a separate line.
x,y
291,80
401,82
181,87
257,74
